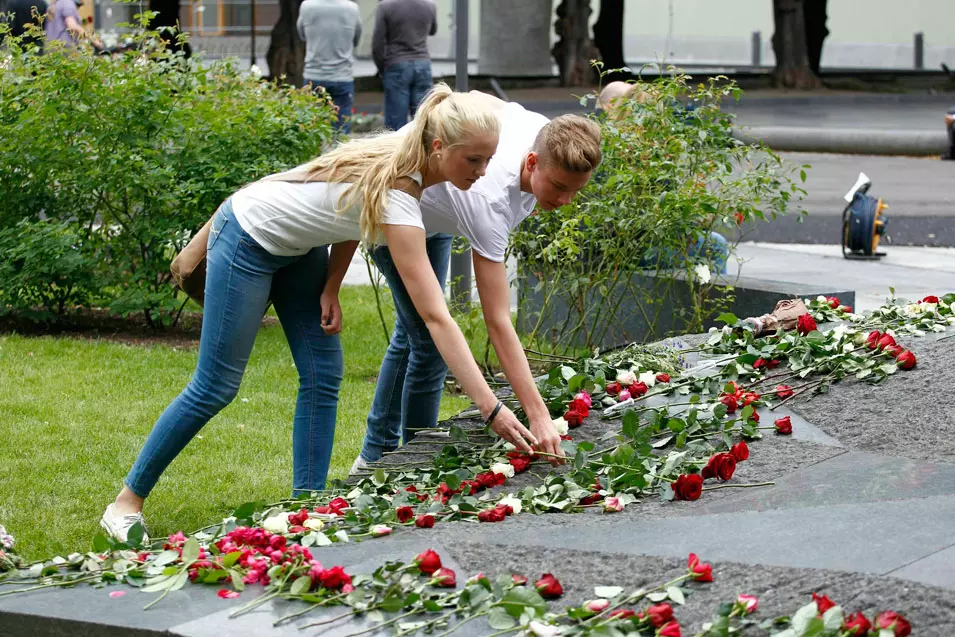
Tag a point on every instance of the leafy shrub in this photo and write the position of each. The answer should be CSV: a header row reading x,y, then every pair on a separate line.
x,y
44,271
670,176
137,150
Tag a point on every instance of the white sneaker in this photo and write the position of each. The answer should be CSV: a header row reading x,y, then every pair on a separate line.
x,y
118,526
359,465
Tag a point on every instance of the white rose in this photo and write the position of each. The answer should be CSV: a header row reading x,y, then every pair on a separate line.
x,y
277,523
380,530
6,540
626,377
314,524
648,378
510,500
540,629
702,272
561,426
503,467
822,299
255,71
342,535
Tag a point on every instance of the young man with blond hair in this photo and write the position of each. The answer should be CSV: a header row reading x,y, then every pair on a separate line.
x,y
538,162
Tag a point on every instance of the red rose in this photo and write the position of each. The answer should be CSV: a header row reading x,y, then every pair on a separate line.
x,y
298,519
519,580
574,418
894,350
784,426
671,629
749,398
784,391
591,499
738,216
520,464
823,603
872,340
688,486
906,360
702,572
445,578
929,299
497,514
754,417
833,301
885,341
334,578
721,465
773,364
549,587
659,614
847,308
750,603
405,514
760,363
893,621
805,324
663,377
580,406
730,403
424,521
638,389
857,624
612,389
622,613
740,451
428,562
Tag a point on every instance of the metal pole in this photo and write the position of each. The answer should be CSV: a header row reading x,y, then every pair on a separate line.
x,y
920,50
461,262
757,48
252,29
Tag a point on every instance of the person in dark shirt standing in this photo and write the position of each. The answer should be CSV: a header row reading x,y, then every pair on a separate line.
x,y
400,50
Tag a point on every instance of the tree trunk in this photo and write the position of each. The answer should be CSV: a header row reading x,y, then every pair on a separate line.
x,y
816,31
574,50
608,38
286,55
167,15
789,44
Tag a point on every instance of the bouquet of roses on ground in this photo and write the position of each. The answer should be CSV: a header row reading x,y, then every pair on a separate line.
x,y
9,560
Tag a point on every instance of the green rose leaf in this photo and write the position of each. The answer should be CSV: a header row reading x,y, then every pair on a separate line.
x,y
190,550
499,619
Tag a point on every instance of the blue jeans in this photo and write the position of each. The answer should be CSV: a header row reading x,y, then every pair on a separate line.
x,y
240,277
406,84
342,94
408,393
709,248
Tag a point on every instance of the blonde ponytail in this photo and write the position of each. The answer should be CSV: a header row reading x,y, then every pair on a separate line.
x,y
375,164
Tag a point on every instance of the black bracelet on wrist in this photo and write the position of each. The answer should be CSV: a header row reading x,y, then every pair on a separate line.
x,y
490,418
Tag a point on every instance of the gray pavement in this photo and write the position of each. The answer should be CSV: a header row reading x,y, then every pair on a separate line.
x,y
920,193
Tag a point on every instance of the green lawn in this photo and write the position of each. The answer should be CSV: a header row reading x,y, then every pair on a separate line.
x,y
74,413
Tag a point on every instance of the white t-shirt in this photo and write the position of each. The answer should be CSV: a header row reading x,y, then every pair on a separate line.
x,y
289,219
486,213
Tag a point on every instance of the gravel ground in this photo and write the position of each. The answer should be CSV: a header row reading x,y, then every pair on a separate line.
x,y
780,590
911,414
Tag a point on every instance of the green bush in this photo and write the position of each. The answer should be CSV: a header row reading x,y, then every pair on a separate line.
x,y
669,176
137,150
44,271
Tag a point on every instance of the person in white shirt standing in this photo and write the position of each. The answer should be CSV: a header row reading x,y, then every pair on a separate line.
x,y
331,30
538,162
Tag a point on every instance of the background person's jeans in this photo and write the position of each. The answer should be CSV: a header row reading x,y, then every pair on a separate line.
x,y
709,247
408,393
406,84
240,276
342,94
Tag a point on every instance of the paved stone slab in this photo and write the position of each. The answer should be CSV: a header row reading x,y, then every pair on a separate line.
x,y
853,477
852,537
937,569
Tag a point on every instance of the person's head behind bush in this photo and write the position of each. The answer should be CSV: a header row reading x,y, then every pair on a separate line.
x,y
565,153
444,122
